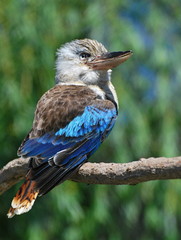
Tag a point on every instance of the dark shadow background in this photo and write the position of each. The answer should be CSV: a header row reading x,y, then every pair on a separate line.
x,y
148,86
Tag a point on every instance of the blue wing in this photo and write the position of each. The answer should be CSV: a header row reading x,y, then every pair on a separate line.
x,y
67,148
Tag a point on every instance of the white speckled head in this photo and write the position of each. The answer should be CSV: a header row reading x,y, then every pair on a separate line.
x,y
72,61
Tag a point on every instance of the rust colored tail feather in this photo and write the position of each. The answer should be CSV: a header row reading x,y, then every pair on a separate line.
x,y
24,199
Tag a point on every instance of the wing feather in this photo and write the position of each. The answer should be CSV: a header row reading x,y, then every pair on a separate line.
x,y
59,147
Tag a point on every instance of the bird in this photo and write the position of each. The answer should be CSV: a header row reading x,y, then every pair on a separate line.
x,y
71,119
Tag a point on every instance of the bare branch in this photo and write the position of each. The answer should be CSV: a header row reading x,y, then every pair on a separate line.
x,y
12,173
103,173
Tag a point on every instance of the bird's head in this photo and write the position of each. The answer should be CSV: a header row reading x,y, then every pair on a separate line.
x,y
86,61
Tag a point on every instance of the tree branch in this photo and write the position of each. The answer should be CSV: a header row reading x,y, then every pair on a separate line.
x,y
103,173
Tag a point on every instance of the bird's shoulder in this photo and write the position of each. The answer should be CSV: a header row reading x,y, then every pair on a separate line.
x,y
61,104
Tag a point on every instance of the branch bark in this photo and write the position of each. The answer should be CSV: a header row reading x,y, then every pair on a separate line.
x,y
103,173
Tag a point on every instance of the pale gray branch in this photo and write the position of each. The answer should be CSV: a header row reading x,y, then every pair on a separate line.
x,y
103,173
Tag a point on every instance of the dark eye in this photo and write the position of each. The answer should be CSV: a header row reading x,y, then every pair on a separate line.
x,y
84,55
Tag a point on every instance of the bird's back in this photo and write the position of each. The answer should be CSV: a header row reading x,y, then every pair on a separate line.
x,y
69,125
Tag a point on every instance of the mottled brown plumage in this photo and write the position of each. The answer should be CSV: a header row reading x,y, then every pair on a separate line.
x,y
59,106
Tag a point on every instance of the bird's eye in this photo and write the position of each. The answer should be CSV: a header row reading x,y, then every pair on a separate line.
x,y
84,55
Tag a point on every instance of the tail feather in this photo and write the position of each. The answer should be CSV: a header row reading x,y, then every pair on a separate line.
x,y
41,180
24,199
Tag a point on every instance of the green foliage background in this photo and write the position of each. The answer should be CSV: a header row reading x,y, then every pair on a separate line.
x,y
148,86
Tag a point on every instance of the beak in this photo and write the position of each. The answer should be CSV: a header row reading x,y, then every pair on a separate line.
x,y
109,60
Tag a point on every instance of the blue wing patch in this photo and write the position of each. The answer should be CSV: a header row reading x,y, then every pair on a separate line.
x,y
91,126
92,119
